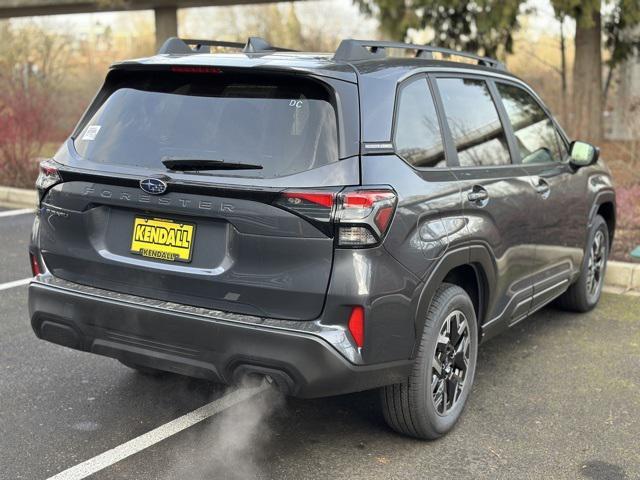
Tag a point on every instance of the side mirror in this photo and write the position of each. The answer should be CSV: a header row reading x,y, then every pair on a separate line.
x,y
583,154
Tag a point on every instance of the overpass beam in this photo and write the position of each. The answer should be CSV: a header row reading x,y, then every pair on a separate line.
x,y
166,24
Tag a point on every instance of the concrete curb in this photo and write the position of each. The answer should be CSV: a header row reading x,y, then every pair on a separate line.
x,y
622,277
18,197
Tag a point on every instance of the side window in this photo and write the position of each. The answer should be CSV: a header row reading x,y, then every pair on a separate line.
x,y
474,122
417,137
537,138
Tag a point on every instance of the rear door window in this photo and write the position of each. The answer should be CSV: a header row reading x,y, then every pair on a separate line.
x,y
417,138
286,126
473,120
537,138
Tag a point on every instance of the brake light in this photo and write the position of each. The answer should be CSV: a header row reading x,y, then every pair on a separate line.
x,y
296,198
383,218
314,204
48,176
194,69
35,265
365,198
359,216
356,325
364,216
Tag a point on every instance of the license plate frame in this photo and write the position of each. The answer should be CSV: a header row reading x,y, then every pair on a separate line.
x,y
163,239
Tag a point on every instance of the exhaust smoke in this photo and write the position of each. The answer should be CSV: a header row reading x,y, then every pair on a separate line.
x,y
231,445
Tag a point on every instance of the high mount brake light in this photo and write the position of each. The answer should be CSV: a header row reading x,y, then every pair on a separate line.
x,y
194,69
362,215
48,176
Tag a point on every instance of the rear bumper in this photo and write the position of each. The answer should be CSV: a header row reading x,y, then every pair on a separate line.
x,y
154,334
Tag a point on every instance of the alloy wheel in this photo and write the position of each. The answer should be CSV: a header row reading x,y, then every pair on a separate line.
x,y
596,263
450,362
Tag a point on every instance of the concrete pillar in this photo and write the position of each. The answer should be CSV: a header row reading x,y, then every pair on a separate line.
x,y
166,24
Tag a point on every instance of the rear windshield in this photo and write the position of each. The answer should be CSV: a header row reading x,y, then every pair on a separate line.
x,y
286,126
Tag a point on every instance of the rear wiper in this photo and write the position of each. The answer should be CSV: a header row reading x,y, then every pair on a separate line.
x,y
191,164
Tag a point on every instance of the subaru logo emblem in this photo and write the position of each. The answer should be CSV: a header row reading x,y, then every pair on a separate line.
x,y
153,186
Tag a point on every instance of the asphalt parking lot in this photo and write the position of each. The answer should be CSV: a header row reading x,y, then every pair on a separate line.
x,y
556,397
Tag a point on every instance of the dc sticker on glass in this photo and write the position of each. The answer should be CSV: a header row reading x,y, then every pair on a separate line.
x,y
91,132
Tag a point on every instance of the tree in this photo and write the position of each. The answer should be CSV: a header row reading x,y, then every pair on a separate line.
x,y
587,67
484,26
279,23
561,17
588,92
24,128
31,67
622,37
530,52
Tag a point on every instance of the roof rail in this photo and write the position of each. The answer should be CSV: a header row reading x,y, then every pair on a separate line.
x,y
351,50
182,46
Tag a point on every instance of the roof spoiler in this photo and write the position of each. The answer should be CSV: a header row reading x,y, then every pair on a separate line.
x,y
182,46
353,50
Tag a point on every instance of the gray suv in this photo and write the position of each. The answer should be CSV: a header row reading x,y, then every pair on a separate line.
x,y
330,222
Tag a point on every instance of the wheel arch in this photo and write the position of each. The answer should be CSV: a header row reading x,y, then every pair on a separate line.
x,y
607,210
471,268
605,206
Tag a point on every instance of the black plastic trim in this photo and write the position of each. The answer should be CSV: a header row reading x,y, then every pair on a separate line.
x,y
202,347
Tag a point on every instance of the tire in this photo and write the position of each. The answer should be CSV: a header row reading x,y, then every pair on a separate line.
x,y
409,407
148,371
584,295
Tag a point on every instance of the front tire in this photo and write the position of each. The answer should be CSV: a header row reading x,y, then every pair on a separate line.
x,y
585,293
429,402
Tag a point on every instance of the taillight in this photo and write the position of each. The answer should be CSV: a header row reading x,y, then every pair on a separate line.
x,y
356,325
314,204
315,198
359,216
364,216
48,176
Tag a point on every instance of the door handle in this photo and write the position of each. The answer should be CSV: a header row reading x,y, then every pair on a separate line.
x,y
543,187
478,195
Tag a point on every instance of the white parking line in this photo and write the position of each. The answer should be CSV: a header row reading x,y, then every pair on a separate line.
x,y
15,283
157,435
11,213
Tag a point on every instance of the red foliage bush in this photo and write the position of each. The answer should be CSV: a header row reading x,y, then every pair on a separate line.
x,y
628,222
25,125
628,203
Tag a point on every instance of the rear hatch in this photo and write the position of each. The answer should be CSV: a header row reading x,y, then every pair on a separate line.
x,y
205,187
